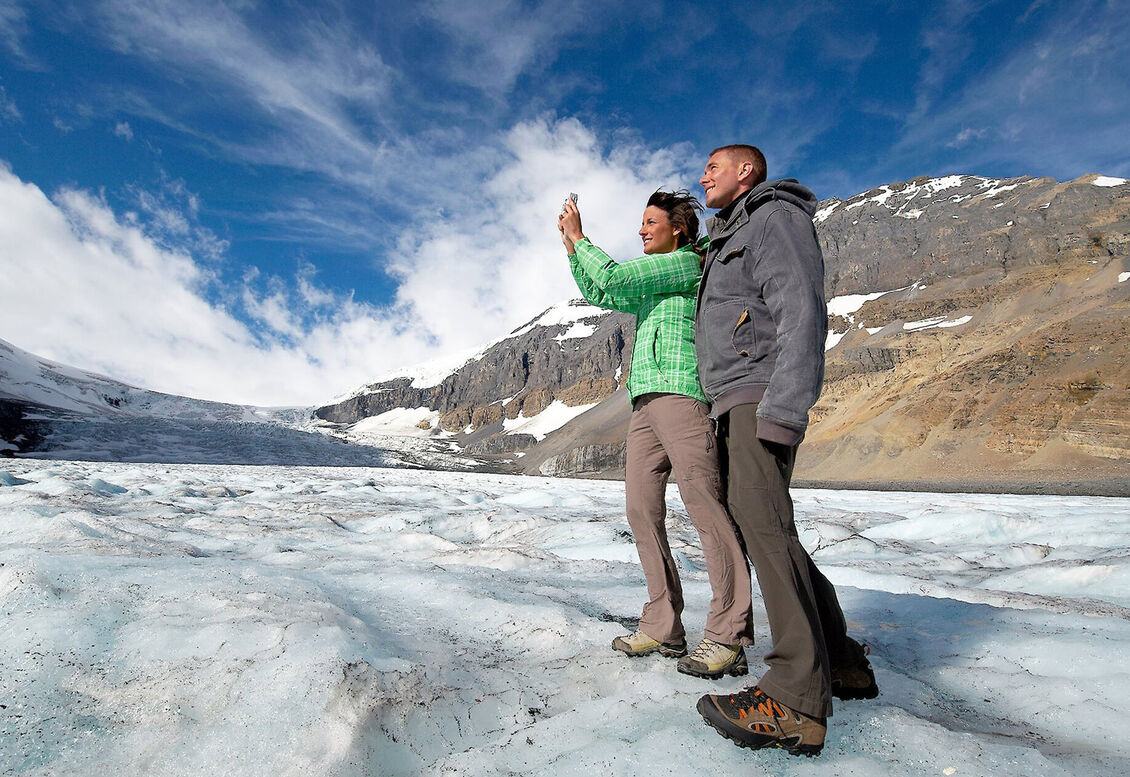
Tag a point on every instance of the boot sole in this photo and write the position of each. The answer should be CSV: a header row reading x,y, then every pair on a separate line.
x,y
808,751
732,670
666,652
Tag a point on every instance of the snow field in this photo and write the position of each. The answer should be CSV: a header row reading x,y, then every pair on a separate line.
x,y
189,619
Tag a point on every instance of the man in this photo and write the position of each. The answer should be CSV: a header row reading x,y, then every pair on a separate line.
x,y
760,328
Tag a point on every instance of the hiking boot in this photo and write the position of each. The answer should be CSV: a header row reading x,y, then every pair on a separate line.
x,y
639,644
713,660
749,718
855,680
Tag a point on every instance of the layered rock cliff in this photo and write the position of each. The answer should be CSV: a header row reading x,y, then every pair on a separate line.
x,y
574,354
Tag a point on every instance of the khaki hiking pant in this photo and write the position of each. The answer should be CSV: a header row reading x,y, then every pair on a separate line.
x,y
671,432
807,626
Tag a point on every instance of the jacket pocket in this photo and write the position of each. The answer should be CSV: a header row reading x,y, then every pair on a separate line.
x,y
656,350
734,253
743,339
722,339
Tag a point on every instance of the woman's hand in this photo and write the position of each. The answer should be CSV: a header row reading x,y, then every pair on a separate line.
x,y
569,224
565,241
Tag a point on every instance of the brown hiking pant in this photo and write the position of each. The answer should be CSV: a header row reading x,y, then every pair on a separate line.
x,y
805,621
671,432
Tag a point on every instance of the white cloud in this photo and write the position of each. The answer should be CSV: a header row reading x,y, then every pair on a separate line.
x,y
315,94
105,292
948,45
8,109
171,218
495,41
308,81
489,267
123,130
13,29
84,287
1055,106
967,135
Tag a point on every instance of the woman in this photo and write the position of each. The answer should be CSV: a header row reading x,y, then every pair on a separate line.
x,y
669,432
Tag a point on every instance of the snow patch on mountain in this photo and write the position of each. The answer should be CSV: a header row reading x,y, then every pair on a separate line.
x,y
846,305
579,329
911,200
556,415
560,314
934,323
82,415
823,213
401,421
994,189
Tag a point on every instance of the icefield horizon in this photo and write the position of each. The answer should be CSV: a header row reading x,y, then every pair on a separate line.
x,y
176,619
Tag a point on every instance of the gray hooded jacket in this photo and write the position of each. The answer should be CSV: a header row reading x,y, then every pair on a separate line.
x,y
761,321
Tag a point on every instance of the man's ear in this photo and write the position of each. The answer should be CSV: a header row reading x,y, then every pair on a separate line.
x,y
745,170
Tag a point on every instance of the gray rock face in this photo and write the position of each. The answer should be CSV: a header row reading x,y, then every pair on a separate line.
x,y
585,460
502,443
863,360
930,228
533,366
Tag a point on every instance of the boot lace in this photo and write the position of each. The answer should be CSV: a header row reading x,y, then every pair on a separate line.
x,y
753,698
638,636
706,647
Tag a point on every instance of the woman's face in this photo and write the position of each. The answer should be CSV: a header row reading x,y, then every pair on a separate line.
x,y
659,237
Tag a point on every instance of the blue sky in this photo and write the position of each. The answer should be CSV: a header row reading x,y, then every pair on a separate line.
x,y
274,202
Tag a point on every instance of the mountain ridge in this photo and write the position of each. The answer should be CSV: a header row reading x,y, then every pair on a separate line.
x,y
977,337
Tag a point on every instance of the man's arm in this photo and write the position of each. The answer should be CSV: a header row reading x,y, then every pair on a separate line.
x,y
791,275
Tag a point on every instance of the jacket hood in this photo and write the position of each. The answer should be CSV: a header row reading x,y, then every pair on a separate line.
x,y
786,189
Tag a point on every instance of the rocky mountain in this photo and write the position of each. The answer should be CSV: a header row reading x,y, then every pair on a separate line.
x,y
572,354
999,359
978,339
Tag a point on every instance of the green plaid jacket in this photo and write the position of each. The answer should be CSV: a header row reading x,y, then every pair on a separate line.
x,y
661,290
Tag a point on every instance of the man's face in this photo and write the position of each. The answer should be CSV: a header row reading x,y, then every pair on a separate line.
x,y
723,179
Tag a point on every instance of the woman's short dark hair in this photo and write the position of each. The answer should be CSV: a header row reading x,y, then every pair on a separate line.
x,y
680,207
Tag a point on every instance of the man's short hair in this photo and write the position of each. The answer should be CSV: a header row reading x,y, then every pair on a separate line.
x,y
744,153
